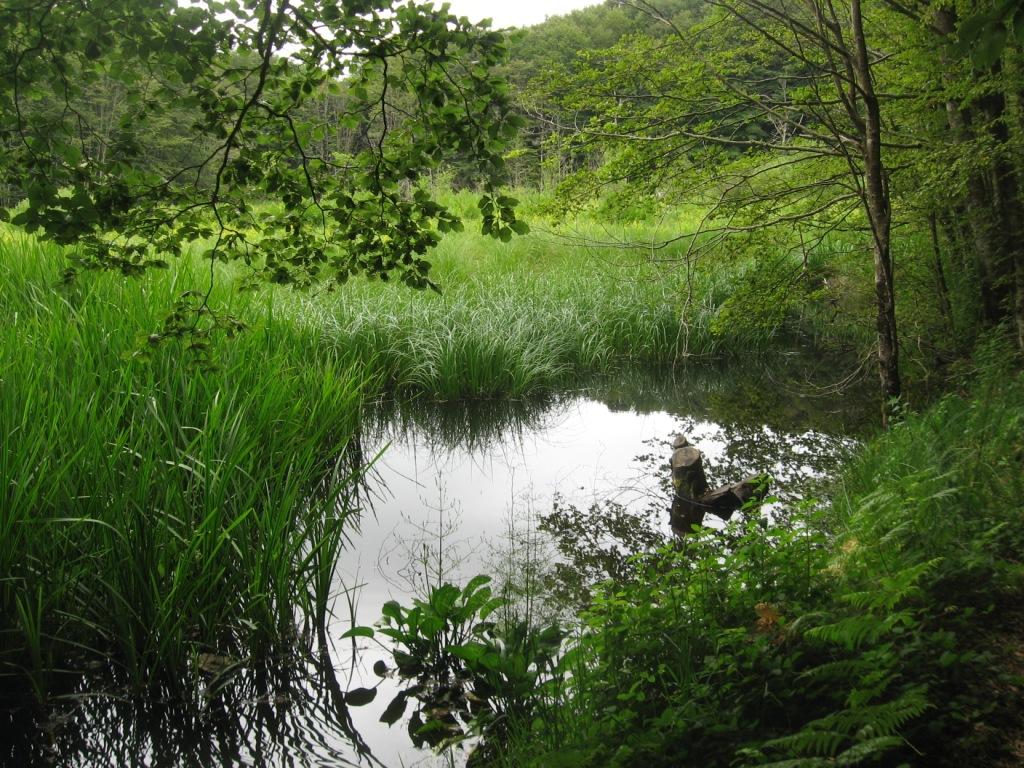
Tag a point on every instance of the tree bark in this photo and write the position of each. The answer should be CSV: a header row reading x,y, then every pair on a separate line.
x,y
876,201
995,211
941,288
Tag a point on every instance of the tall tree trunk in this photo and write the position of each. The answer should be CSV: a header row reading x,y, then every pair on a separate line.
x,y
983,216
941,288
1008,206
876,200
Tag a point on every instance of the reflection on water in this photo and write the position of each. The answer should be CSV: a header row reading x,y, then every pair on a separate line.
x,y
572,484
280,713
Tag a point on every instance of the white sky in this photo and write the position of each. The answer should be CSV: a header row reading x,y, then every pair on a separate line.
x,y
516,13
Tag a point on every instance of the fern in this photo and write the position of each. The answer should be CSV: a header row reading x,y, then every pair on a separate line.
x,y
892,590
854,631
850,736
841,669
879,719
865,750
811,740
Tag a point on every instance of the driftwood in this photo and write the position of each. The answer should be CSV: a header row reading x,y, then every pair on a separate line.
x,y
692,499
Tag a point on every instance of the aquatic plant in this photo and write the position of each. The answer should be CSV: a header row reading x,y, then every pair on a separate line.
x,y
153,509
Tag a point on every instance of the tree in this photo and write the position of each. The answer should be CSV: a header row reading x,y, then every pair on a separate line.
x,y
768,109
242,73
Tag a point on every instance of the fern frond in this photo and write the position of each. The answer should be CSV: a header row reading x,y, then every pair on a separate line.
x,y
853,631
864,750
877,719
810,740
893,589
841,669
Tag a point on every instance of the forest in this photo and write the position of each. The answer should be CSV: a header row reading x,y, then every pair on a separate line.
x,y
344,345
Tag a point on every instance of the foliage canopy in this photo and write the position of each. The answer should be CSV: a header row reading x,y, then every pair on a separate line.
x,y
240,73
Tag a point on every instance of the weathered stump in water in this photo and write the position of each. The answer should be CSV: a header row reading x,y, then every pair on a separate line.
x,y
692,499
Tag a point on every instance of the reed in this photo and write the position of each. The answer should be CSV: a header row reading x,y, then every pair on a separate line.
x,y
152,511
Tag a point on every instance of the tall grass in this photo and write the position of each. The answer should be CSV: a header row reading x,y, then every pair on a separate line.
x,y
531,316
151,511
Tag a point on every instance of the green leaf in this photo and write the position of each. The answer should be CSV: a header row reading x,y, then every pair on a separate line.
x,y
358,632
475,583
989,46
470,652
490,607
392,610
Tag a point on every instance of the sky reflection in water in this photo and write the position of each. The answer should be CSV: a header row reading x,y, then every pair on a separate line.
x,y
453,487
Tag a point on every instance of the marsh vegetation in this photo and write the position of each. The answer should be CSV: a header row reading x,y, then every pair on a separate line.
x,y
342,346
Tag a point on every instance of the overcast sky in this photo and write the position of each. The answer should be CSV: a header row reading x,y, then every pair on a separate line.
x,y
514,13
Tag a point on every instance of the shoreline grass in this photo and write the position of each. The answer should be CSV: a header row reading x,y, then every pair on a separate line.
x,y
152,510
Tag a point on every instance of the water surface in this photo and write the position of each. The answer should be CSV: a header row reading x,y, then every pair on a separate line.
x,y
456,491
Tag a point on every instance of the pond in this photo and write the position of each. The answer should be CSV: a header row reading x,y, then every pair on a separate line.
x,y
565,487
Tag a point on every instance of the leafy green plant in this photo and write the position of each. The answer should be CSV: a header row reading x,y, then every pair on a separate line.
x,y
469,675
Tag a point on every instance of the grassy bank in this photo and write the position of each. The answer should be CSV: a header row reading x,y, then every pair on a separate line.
x,y
153,511
875,634
583,297
157,507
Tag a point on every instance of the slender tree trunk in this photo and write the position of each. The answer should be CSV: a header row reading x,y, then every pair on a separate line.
x,y
1006,189
876,198
941,288
983,216
951,220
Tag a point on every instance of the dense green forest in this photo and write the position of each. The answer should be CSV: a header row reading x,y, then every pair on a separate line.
x,y
231,230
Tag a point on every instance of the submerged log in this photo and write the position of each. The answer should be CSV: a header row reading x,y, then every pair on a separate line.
x,y
692,499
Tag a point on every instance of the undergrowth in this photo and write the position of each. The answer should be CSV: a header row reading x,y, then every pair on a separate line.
x,y
860,635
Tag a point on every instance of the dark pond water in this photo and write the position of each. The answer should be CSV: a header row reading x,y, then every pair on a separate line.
x,y
570,484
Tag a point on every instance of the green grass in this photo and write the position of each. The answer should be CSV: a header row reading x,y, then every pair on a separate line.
x,y
152,511
537,314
